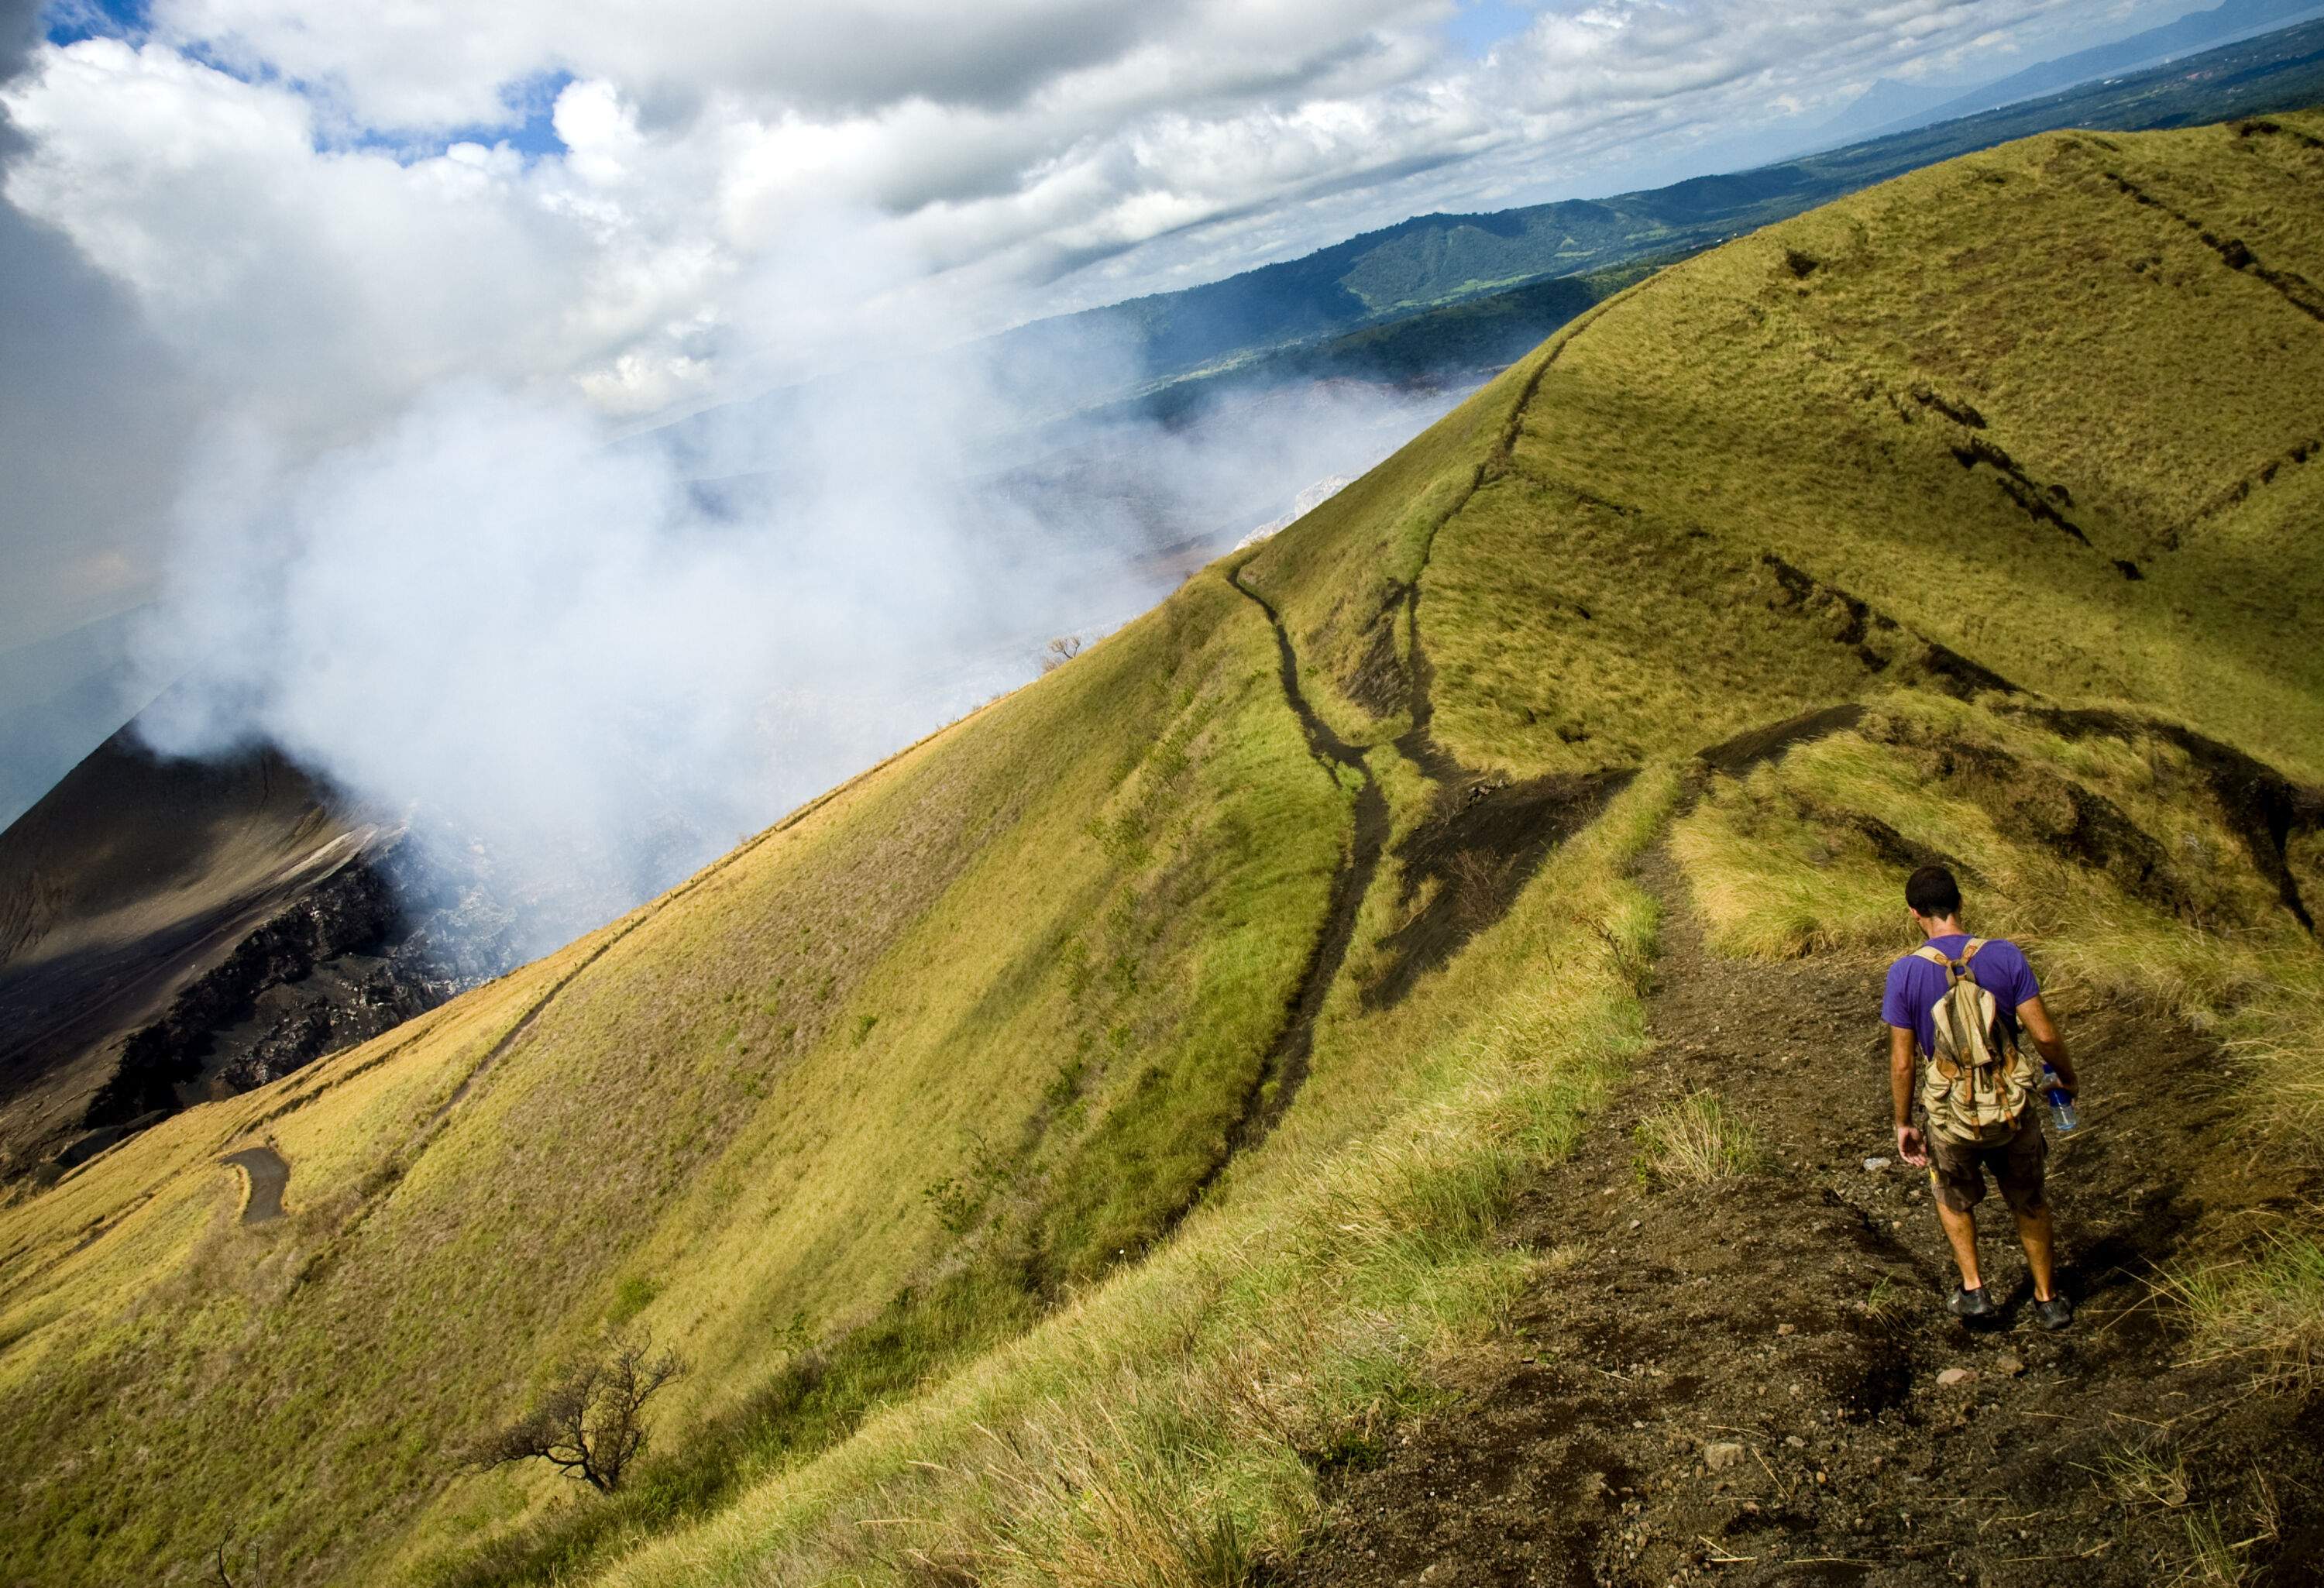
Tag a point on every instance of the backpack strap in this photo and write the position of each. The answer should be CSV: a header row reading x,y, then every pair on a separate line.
x,y
1954,968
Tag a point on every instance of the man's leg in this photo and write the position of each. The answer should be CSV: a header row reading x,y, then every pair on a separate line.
x,y
2033,1232
2021,1173
1957,1185
1961,1230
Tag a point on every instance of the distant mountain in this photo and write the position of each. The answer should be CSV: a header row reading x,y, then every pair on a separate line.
x,y
2198,30
1884,107
1331,311
1331,314
1417,264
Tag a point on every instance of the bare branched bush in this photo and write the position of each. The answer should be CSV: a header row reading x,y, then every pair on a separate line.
x,y
1061,650
588,1425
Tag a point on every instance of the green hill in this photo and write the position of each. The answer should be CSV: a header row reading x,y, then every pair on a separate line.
x,y
1059,1149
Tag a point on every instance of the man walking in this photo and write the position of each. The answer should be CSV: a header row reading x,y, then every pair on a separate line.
x,y
1957,1003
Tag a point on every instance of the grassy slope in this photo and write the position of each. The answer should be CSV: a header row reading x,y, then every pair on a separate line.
x,y
1603,594
1706,390
740,1102
2137,384
978,1026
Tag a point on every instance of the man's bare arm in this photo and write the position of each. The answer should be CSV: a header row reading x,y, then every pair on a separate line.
x,y
2045,1032
1903,1050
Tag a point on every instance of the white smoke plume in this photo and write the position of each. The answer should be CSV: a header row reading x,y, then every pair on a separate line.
x,y
585,669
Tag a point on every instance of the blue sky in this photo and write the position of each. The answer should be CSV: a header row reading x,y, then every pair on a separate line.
x,y
1479,24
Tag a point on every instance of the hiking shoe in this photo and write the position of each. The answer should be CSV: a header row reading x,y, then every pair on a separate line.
x,y
2055,1313
1971,1305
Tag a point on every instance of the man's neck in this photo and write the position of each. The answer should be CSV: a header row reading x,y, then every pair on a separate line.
x,y
1949,926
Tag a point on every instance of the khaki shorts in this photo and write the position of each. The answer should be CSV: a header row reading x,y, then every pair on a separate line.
x,y
1957,1168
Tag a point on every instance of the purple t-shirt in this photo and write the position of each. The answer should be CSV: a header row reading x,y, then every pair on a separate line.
x,y
1914,985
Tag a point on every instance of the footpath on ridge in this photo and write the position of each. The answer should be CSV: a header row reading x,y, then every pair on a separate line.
x,y
1757,1382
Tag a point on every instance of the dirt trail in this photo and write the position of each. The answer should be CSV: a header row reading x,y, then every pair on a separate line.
x,y
1797,1322
268,1175
1285,1068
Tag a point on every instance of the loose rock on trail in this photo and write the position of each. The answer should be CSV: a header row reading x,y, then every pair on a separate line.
x,y
1757,1382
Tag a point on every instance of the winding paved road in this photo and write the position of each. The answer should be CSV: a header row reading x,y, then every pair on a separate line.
x,y
268,1175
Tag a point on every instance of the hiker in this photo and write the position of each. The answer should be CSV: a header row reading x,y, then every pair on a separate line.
x,y
1960,1001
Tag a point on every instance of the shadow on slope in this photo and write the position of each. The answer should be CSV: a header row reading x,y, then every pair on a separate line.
x,y
174,929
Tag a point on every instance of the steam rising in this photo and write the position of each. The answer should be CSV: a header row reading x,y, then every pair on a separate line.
x,y
579,671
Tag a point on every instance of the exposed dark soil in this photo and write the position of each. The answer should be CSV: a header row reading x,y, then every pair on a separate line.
x,y
2300,452
2265,808
1740,754
1484,836
2294,288
1743,1384
175,930
1947,669
1469,861
2040,502
319,974
268,1176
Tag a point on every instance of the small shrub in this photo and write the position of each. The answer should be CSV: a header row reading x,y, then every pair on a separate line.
x,y
1697,1140
2268,1309
1886,1303
955,1207
1479,882
2212,1560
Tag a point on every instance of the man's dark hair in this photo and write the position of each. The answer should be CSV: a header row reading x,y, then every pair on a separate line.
x,y
1932,893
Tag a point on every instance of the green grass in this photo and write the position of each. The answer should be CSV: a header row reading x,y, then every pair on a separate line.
x,y
2143,1479
823,1009
909,1122
2265,1309
1729,409
1697,1140
1809,852
1169,1421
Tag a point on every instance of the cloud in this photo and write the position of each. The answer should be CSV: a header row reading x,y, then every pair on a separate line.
x,y
1024,156
91,411
318,289
94,421
431,64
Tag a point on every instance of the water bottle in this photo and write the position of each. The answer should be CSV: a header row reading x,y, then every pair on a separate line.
x,y
2062,1113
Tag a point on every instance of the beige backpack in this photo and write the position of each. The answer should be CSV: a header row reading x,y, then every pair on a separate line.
x,y
1977,1083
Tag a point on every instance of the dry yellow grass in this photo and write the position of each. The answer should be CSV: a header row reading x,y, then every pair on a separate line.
x,y
1697,1140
